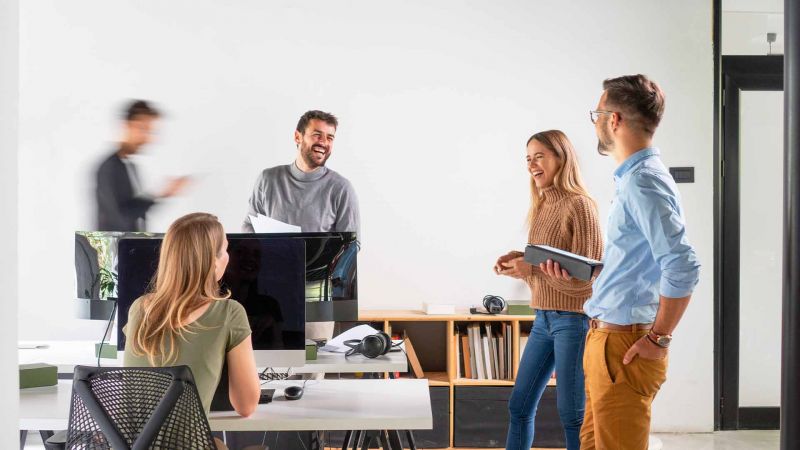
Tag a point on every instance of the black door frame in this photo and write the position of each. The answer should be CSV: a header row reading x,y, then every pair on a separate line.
x,y
739,73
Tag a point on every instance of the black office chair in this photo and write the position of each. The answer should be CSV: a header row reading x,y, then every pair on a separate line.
x,y
135,408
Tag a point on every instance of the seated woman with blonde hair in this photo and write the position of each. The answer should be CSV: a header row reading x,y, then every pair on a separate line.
x,y
186,320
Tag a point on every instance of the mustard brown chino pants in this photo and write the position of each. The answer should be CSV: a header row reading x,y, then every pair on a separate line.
x,y
618,397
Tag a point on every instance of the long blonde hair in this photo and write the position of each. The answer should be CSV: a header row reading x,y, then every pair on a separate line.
x,y
567,178
185,281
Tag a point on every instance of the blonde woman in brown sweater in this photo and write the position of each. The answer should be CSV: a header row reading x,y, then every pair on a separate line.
x,y
561,215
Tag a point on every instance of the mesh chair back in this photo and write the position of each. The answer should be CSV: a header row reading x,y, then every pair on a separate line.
x,y
136,408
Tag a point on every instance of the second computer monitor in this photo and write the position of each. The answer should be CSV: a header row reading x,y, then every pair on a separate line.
x,y
331,273
267,276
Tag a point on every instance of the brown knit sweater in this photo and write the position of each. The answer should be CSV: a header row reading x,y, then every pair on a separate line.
x,y
569,222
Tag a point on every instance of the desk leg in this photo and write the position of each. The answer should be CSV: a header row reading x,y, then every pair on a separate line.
x,y
371,436
314,440
385,440
346,442
46,434
411,444
23,435
394,440
359,440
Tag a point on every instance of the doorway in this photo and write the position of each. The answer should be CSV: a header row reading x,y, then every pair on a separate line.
x,y
750,244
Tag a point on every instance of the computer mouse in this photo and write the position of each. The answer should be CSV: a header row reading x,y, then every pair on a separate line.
x,y
293,392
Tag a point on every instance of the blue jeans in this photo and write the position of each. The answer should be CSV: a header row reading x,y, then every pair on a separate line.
x,y
556,341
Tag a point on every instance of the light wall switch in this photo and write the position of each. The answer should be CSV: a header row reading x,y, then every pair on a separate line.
x,y
682,174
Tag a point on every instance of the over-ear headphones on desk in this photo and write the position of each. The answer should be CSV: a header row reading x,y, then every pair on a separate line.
x,y
371,346
494,304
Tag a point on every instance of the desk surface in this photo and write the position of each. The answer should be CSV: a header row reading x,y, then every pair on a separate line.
x,y
325,405
68,354
338,405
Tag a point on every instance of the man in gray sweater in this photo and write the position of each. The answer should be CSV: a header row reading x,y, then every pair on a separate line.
x,y
305,192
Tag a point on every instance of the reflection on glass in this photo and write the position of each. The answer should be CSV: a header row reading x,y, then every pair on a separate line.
x,y
331,268
96,263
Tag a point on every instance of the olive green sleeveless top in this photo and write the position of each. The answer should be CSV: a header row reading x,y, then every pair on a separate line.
x,y
204,345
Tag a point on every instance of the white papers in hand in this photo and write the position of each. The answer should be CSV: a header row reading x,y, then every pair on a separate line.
x,y
264,224
336,344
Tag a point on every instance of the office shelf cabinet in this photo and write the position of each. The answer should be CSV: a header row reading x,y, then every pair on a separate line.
x,y
434,338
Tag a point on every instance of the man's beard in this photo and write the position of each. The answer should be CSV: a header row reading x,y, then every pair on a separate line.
x,y
309,156
604,144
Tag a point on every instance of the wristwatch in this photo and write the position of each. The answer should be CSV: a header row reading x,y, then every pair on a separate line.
x,y
661,340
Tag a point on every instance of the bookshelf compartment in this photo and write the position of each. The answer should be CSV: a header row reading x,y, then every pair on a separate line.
x,y
439,436
429,340
480,416
484,351
437,378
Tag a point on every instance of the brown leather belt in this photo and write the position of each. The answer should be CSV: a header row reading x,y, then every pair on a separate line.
x,y
594,323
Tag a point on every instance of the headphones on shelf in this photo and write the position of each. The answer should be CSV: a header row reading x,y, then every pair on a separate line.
x,y
494,304
371,346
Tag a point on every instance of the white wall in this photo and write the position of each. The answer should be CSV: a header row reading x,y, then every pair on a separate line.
x,y
9,115
435,100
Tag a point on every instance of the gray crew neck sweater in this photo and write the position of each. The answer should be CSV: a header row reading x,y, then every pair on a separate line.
x,y
321,200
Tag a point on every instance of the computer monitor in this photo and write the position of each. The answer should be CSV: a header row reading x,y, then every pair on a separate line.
x,y
331,273
331,291
267,276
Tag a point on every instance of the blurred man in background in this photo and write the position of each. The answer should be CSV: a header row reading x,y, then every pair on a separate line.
x,y
122,204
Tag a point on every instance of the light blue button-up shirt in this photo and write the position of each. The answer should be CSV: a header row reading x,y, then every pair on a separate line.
x,y
646,251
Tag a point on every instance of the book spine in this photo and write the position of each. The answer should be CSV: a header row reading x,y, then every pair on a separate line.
x,y
487,357
510,352
468,367
501,352
456,342
492,362
480,362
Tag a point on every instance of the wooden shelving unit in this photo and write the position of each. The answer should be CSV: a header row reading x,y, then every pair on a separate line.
x,y
404,319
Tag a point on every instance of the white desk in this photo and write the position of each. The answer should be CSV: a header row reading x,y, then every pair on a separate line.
x,y
68,354
325,405
45,408
338,405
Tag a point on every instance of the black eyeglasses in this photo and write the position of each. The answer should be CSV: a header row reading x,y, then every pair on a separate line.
x,y
594,115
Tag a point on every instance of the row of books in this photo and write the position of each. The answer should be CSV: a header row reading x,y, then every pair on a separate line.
x,y
484,351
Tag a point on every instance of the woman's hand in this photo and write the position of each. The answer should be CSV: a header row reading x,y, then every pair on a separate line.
x,y
553,269
502,261
516,268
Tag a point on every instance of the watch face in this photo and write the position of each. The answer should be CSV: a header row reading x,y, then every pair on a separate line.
x,y
664,341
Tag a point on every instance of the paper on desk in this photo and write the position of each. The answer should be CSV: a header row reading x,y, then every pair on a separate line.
x,y
264,224
336,344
